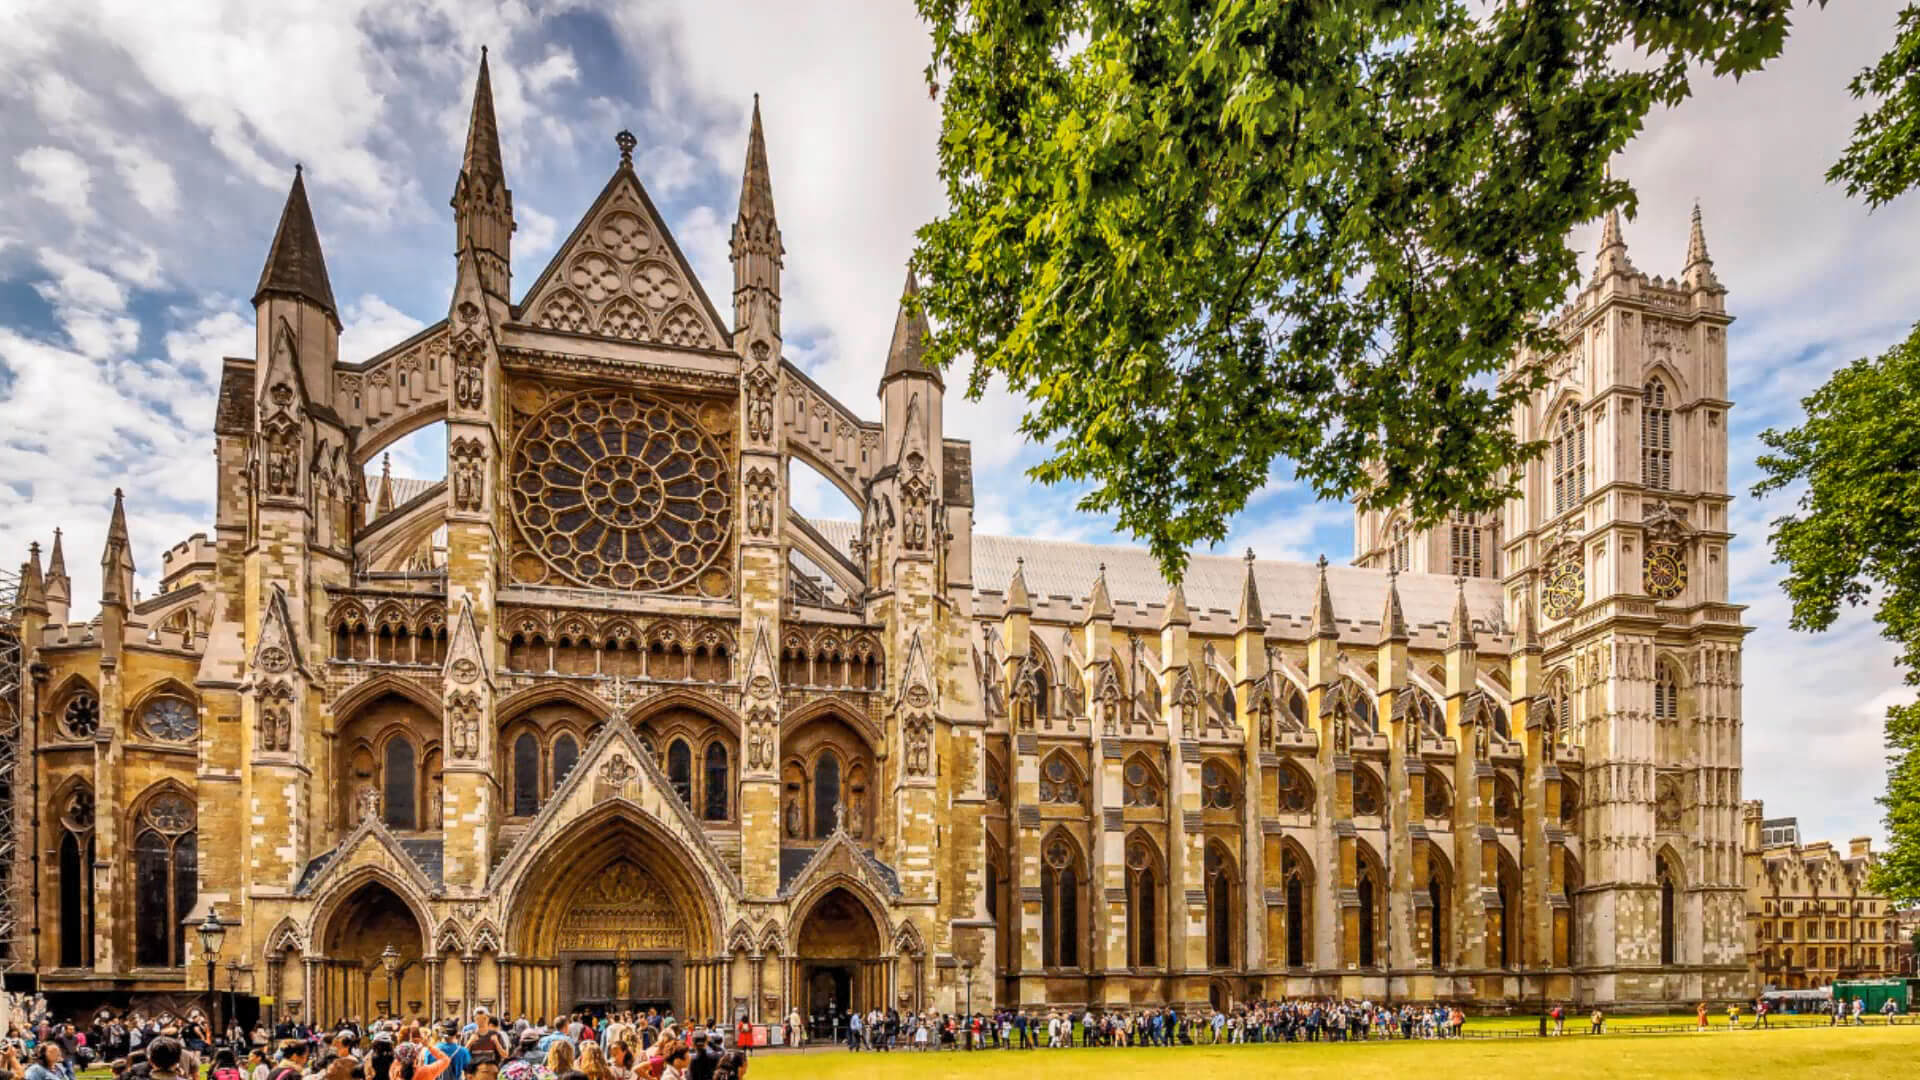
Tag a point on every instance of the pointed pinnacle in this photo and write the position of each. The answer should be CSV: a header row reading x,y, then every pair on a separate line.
x,y
1697,241
1100,605
756,182
1526,635
1249,617
906,355
1323,624
1177,613
57,561
1393,620
295,264
117,528
1462,618
482,156
33,591
1019,601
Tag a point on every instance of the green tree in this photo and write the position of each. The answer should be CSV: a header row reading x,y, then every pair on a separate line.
x,y
1855,538
1200,235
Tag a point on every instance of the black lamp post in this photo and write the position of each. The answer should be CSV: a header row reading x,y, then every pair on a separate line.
x,y
212,935
390,959
966,1018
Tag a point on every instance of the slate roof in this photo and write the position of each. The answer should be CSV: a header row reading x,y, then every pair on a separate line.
x,y
794,859
1063,571
427,852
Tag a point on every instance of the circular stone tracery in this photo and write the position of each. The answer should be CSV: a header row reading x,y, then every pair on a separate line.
x,y
615,491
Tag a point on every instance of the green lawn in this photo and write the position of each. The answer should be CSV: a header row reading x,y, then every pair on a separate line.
x,y
1832,1054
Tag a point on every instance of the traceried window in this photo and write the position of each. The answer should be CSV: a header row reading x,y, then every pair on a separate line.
x,y
1663,869
1060,881
170,719
1295,790
1367,798
166,874
1216,787
1399,546
399,782
1666,696
1463,545
1142,900
826,794
76,880
1142,787
1299,892
566,754
526,775
81,718
612,490
1506,804
716,782
1059,782
1220,904
680,770
1656,437
1439,804
1569,462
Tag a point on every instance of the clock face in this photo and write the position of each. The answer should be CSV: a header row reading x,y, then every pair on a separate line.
x,y
1566,588
1665,571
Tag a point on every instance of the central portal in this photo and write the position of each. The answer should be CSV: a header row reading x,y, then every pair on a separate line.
x,y
622,943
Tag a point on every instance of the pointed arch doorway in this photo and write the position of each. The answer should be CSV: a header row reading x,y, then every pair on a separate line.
x,y
838,954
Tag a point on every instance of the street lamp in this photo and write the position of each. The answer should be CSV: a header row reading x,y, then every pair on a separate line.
x,y
212,935
966,1017
390,959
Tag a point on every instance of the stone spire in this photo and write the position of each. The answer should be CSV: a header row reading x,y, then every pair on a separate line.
x,y
1612,257
482,205
33,590
295,266
1100,605
1177,613
116,561
1249,617
755,245
1018,598
1526,635
906,356
383,499
59,585
1699,272
1323,624
1393,621
1462,618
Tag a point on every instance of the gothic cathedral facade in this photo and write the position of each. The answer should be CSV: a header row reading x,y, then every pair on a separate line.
x,y
600,721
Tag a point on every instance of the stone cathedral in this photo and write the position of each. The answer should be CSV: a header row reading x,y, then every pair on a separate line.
x,y
598,721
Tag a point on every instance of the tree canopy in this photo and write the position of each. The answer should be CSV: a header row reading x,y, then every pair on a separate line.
x,y
1855,536
1202,235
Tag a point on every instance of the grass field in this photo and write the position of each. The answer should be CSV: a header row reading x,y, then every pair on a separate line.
x,y
1828,1053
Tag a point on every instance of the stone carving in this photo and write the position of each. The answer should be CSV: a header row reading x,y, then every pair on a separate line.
x,y
466,460
463,711
617,771
915,494
273,727
467,393
760,387
273,659
791,817
760,734
622,908
761,491
283,460
919,733
366,804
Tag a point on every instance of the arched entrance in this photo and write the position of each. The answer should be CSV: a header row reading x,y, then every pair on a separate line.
x,y
614,916
838,964
352,980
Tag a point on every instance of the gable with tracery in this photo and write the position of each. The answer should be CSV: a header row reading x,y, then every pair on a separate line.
x,y
621,276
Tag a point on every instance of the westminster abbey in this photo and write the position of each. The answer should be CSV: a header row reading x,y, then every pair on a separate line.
x,y
599,721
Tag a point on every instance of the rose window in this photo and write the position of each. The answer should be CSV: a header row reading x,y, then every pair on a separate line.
x,y
615,491
170,719
82,716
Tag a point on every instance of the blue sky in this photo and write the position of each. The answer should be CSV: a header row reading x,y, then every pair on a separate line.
x,y
148,148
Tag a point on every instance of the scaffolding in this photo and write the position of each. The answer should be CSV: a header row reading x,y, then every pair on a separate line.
x,y
12,659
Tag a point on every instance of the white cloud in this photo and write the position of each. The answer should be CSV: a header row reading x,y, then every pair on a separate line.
x,y
59,177
371,325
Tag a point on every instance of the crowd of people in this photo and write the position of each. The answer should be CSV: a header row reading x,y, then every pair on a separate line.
x,y
1026,1029
629,1046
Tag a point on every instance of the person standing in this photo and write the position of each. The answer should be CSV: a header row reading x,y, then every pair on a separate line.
x,y
1761,1011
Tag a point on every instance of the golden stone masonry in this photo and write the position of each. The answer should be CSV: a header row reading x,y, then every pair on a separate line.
x,y
599,720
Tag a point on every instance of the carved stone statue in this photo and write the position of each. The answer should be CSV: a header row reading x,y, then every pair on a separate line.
x,y
366,804
793,819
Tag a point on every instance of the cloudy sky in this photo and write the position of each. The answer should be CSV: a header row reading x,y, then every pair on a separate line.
x,y
148,148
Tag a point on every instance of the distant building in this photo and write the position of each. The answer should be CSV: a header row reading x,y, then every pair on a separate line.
x,y
1811,917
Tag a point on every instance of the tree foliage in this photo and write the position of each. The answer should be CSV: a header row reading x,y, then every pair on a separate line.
x,y
1198,235
1855,539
